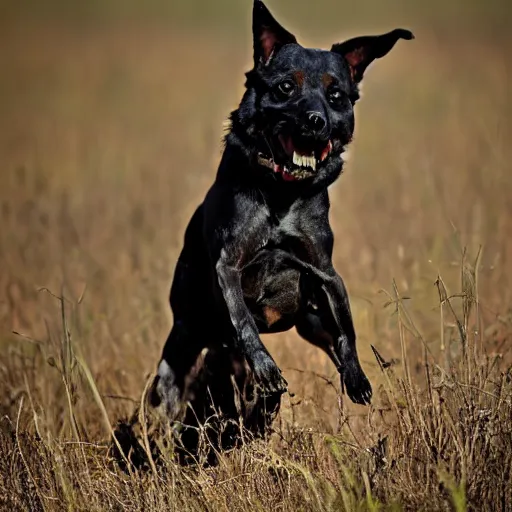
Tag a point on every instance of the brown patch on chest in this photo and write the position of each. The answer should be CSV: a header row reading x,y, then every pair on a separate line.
x,y
271,315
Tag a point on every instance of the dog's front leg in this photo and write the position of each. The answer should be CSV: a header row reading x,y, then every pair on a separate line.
x,y
266,372
356,383
329,325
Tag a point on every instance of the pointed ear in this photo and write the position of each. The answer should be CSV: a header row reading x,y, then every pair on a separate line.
x,y
268,35
361,51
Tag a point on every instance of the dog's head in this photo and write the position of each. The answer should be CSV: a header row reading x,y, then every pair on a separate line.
x,y
297,114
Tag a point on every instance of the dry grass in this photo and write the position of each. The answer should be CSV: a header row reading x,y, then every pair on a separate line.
x,y
109,136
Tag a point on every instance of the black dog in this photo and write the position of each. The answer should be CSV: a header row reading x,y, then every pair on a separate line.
x,y
257,256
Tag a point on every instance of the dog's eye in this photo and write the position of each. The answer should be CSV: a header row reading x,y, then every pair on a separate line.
x,y
334,95
286,88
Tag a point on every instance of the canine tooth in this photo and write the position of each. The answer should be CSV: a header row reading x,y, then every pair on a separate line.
x,y
295,157
326,151
313,163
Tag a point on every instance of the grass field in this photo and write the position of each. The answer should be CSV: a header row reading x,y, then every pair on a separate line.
x,y
110,126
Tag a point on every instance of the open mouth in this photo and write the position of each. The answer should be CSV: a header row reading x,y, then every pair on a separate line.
x,y
301,162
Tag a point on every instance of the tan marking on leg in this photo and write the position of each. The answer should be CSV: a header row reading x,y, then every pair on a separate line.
x,y
271,315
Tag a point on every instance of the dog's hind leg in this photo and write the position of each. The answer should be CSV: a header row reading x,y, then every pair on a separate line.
x,y
327,323
226,403
181,350
191,303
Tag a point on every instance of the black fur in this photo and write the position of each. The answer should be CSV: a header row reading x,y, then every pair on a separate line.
x,y
257,255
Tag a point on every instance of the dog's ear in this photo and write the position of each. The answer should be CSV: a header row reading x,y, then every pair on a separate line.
x,y
361,51
268,34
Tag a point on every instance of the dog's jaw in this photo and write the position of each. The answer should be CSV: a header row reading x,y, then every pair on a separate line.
x,y
302,167
245,136
287,174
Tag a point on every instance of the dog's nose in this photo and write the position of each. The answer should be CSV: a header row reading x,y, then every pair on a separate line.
x,y
316,121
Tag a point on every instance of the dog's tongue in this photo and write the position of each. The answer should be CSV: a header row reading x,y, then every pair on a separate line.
x,y
286,176
289,148
287,144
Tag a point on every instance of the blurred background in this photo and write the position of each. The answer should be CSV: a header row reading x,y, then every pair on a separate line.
x,y
111,119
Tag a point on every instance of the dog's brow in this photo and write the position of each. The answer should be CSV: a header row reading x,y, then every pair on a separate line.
x,y
299,77
327,80
278,76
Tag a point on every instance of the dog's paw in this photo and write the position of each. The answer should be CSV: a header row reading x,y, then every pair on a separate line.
x,y
164,393
358,388
268,375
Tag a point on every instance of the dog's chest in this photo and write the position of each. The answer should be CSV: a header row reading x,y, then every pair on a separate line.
x,y
285,227
294,234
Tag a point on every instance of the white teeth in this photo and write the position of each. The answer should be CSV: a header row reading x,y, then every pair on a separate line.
x,y
304,161
301,173
265,162
309,161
